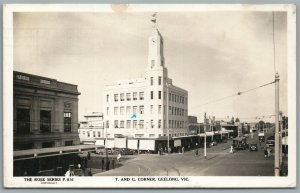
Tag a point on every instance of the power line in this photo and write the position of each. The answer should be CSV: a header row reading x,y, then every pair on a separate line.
x,y
237,94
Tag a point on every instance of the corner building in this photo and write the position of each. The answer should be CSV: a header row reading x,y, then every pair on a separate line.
x,y
45,112
146,107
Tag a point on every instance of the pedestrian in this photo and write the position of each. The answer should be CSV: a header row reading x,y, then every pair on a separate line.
x,y
182,149
119,157
102,164
148,152
269,151
90,172
231,149
166,150
107,164
196,152
266,152
113,163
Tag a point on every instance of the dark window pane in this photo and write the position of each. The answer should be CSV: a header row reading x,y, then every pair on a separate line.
x,y
23,121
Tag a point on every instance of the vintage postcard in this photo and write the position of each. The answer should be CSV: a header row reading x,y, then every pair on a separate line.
x,y
149,96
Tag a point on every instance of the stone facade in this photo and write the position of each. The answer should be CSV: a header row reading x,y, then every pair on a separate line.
x,y
45,112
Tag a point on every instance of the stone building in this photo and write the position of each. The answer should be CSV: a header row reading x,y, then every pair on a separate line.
x,y
91,128
45,112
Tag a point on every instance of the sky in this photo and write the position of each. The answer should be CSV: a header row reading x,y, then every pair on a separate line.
x,y
210,54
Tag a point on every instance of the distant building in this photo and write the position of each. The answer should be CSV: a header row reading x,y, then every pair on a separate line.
x,y
45,112
91,128
146,107
193,124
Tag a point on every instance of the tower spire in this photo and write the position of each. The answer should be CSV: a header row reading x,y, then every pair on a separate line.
x,y
153,19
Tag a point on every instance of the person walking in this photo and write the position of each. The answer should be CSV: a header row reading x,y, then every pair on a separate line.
x,y
196,152
113,163
107,164
265,152
182,149
102,164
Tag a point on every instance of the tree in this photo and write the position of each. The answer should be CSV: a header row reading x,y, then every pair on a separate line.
x,y
237,120
232,120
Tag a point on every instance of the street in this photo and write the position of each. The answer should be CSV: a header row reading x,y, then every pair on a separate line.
x,y
219,162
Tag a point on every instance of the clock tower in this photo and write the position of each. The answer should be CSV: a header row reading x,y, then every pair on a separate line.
x,y
155,47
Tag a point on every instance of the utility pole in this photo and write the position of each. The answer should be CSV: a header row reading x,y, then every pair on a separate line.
x,y
277,149
280,138
205,135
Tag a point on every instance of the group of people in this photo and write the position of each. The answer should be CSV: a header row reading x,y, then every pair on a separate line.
x,y
267,151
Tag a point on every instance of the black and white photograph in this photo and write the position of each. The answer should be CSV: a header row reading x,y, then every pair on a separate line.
x,y
160,96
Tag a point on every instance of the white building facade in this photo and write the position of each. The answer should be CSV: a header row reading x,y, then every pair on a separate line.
x,y
146,107
92,128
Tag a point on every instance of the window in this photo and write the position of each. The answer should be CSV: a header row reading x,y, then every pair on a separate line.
x,y
152,125
141,109
170,108
152,63
88,133
128,96
151,109
141,95
151,81
134,109
121,110
159,109
122,124
128,123
107,110
107,98
107,124
170,126
23,121
128,109
173,97
122,97
164,123
116,97
134,96
159,123
159,94
94,133
116,124
151,95
67,122
134,124
47,144
164,95
45,121
172,113
159,80
116,111
141,124
99,134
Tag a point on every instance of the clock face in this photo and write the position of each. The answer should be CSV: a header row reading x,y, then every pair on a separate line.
x,y
153,40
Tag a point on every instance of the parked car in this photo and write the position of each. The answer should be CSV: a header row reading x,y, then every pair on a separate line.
x,y
253,147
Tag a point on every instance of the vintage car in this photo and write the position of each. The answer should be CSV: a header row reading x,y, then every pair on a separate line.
x,y
240,143
253,147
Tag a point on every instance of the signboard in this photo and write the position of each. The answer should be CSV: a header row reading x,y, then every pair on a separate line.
x,y
120,143
110,143
177,142
99,142
147,145
132,144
